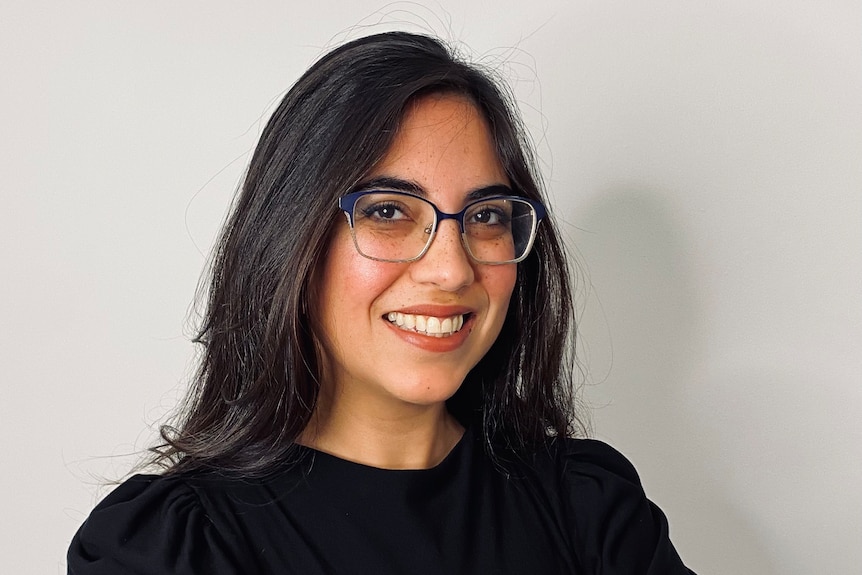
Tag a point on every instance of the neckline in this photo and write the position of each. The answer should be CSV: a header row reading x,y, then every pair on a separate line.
x,y
322,459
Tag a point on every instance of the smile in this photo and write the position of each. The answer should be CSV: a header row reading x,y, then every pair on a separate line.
x,y
427,324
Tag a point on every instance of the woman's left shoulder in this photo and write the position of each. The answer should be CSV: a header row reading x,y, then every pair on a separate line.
x,y
615,528
592,461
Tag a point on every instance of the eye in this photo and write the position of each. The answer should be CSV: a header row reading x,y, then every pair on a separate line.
x,y
486,216
384,211
489,215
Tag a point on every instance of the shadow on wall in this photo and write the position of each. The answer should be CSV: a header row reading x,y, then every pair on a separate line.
x,y
641,341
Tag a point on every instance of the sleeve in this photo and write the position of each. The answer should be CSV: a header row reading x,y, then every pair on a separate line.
x,y
615,529
150,525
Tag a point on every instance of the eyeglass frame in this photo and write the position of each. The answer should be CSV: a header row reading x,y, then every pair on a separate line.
x,y
347,203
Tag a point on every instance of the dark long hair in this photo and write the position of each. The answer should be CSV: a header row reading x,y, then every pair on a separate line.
x,y
260,369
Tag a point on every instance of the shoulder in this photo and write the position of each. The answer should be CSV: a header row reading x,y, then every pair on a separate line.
x,y
590,477
593,458
599,484
612,524
152,524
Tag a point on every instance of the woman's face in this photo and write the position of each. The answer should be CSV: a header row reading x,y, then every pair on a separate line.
x,y
444,151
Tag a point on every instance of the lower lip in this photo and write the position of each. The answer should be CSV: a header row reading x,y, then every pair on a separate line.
x,y
431,343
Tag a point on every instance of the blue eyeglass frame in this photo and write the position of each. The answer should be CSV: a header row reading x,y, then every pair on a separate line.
x,y
347,203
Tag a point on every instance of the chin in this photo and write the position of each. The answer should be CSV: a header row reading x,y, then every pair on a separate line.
x,y
427,392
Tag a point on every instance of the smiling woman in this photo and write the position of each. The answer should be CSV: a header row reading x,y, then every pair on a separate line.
x,y
384,371
386,378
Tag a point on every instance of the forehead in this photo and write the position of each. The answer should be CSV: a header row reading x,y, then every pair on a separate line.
x,y
443,146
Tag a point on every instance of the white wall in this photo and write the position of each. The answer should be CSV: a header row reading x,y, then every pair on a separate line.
x,y
705,161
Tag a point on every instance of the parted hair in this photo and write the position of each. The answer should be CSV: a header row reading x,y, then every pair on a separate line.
x,y
261,357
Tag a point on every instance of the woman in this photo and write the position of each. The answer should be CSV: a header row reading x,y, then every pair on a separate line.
x,y
385,386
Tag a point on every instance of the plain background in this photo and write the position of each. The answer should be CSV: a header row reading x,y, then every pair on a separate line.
x,y
704,160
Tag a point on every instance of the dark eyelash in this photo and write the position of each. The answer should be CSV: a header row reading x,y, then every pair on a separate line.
x,y
381,206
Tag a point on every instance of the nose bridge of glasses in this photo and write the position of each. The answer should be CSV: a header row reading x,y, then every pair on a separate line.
x,y
439,227
442,216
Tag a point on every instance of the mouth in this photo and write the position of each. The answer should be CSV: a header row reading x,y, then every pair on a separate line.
x,y
429,325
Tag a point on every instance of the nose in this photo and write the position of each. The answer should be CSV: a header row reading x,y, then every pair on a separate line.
x,y
446,264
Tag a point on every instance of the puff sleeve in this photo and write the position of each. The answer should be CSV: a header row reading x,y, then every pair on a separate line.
x,y
149,525
615,529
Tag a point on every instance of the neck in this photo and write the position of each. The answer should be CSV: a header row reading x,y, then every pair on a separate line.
x,y
417,437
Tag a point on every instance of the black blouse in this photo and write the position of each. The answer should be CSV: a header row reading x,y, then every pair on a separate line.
x,y
577,508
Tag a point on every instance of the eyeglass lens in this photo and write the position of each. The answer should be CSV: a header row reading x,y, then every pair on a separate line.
x,y
399,227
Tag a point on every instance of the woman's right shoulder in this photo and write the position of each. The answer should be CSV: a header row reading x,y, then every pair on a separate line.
x,y
152,524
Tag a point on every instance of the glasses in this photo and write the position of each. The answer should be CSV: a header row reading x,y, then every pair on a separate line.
x,y
391,226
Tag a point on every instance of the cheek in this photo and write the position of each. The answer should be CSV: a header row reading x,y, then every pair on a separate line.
x,y
499,282
350,282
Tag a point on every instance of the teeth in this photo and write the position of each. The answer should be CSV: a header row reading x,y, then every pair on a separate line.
x,y
446,325
433,326
427,324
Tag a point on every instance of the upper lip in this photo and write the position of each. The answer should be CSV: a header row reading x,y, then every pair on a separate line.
x,y
435,310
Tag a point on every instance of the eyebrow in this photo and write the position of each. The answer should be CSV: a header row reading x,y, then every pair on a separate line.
x,y
411,187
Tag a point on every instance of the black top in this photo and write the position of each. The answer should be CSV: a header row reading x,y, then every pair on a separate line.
x,y
576,508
